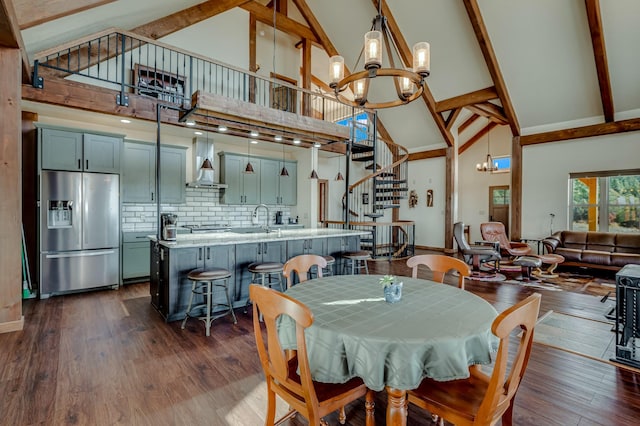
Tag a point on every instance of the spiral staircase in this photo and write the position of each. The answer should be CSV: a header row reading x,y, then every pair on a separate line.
x,y
380,185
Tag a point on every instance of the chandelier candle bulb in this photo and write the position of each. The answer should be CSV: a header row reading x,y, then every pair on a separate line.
x,y
359,89
373,49
406,86
336,69
422,58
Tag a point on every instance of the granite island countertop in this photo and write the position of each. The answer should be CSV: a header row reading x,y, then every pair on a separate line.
x,y
229,238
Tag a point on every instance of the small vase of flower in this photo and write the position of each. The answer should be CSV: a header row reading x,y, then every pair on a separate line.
x,y
392,288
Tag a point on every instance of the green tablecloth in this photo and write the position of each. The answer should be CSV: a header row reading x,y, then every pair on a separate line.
x,y
435,331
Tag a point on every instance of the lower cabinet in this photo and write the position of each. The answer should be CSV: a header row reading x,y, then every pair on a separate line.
x,y
135,256
170,288
174,288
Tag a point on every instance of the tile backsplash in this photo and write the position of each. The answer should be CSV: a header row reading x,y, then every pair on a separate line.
x,y
202,207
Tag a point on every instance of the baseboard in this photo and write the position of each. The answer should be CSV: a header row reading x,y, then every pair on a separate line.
x,y
442,249
8,327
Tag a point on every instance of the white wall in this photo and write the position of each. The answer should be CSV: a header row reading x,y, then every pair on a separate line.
x,y
424,175
546,169
473,196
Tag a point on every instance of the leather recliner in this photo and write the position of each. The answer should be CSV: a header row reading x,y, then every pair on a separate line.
x,y
494,231
477,254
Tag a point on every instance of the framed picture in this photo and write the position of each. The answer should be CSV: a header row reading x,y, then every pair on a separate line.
x,y
159,84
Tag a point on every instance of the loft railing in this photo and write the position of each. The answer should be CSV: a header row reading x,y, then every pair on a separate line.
x,y
129,63
387,239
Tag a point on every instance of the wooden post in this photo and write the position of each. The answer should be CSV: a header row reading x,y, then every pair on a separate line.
x,y
515,227
11,318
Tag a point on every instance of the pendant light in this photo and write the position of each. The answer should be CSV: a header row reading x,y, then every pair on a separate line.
x,y
249,167
284,172
314,161
339,175
489,165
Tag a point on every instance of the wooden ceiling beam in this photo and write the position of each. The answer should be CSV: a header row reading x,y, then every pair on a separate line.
x,y
491,111
492,63
11,38
35,12
622,126
475,138
600,56
482,95
407,58
452,118
423,155
468,122
283,23
184,18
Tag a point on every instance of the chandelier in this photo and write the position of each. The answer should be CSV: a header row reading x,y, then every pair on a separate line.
x,y
489,164
408,82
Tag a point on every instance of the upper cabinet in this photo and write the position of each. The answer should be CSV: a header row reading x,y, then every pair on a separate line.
x,y
265,185
243,188
77,151
277,189
139,173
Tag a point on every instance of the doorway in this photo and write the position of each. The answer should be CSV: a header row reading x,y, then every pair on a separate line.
x,y
499,199
323,197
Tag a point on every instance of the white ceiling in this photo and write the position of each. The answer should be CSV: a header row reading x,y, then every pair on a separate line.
x,y
543,49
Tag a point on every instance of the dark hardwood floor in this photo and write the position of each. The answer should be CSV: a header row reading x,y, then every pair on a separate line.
x,y
107,357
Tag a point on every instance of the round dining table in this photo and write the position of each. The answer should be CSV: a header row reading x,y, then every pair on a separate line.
x,y
435,330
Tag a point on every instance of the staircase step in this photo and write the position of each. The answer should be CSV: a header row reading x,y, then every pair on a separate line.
x,y
393,189
387,206
390,181
391,197
386,174
365,158
360,147
370,166
373,215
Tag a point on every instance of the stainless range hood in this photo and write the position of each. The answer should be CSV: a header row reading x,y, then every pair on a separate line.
x,y
203,172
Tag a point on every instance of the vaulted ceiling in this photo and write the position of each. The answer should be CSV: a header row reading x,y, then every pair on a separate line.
x,y
548,69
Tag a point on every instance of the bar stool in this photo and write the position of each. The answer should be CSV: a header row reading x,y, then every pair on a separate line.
x,y
328,270
204,282
263,272
357,260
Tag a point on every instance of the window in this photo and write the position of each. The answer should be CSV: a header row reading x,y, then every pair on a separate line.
x,y
503,163
361,125
605,201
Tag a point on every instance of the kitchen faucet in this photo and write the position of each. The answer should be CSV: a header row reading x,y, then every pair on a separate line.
x,y
255,216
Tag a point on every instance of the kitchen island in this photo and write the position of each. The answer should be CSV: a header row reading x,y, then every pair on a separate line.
x,y
172,261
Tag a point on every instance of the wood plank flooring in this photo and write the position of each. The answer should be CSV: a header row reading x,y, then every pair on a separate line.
x,y
107,357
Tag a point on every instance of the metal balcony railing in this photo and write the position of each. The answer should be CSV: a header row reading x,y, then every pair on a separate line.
x,y
128,63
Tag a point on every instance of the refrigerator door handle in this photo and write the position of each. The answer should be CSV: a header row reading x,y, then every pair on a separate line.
x,y
83,254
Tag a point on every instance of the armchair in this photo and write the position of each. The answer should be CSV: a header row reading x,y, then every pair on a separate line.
x,y
477,254
494,231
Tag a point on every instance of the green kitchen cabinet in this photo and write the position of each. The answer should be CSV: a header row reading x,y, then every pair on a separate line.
x,y
71,150
243,188
288,185
135,256
277,189
139,173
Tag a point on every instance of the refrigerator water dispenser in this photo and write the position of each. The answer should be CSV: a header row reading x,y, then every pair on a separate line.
x,y
59,214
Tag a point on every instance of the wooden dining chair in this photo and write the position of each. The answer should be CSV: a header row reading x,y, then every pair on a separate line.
x,y
482,399
301,265
439,265
287,372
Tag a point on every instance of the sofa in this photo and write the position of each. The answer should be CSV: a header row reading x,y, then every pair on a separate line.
x,y
601,250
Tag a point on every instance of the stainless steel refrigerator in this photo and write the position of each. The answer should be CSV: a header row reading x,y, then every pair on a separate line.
x,y
79,231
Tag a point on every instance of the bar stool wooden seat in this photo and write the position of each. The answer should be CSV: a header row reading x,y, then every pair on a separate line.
x,y
357,260
204,282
